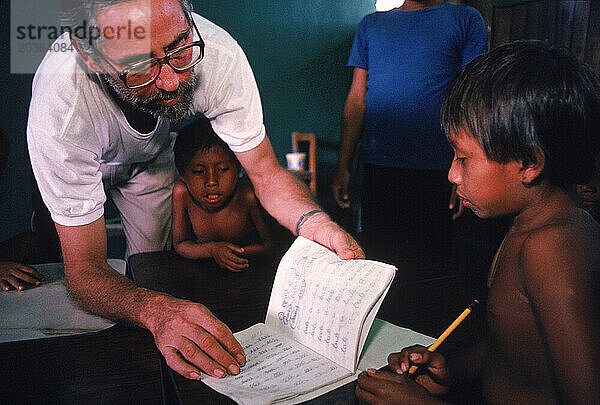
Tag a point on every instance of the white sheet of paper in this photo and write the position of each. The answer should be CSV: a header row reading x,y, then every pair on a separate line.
x,y
47,310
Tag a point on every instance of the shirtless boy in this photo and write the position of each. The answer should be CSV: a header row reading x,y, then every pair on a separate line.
x,y
214,213
523,122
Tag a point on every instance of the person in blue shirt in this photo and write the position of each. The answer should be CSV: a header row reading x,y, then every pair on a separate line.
x,y
404,61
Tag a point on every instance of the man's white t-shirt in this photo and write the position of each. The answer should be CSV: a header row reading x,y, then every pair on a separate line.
x,y
77,135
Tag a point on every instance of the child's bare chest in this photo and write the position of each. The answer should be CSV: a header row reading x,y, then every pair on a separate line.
x,y
515,345
232,224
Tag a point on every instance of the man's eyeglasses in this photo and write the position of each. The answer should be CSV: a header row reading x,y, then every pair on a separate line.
x,y
144,73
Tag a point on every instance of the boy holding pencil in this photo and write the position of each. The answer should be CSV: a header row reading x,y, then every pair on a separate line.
x,y
524,123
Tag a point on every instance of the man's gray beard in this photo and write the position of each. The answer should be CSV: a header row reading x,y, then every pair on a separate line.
x,y
149,104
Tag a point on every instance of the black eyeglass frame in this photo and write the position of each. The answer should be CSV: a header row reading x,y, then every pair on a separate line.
x,y
122,75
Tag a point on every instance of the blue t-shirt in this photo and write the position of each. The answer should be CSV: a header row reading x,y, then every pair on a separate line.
x,y
411,58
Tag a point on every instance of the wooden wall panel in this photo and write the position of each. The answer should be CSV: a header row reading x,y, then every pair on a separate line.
x,y
592,46
501,26
537,21
519,22
572,31
574,24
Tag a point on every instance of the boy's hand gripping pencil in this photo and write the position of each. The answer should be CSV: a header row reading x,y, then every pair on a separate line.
x,y
447,332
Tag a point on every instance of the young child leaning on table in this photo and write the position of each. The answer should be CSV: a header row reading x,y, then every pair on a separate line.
x,y
215,213
523,121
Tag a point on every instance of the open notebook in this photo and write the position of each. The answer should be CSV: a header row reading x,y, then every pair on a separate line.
x,y
319,316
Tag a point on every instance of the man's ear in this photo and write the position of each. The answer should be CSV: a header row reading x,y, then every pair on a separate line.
x,y
87,59
531,172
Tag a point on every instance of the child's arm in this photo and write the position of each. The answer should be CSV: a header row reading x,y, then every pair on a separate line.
x,y
227,255
259,218
15,275
183,236
560,269
384,387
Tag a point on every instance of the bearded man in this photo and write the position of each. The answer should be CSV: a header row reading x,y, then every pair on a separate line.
x,y
99,123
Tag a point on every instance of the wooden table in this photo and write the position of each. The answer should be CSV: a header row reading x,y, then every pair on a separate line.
x,y
122,364
426,303
119,365
238,299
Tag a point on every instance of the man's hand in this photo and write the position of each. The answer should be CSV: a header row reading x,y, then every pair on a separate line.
x,y
15,275
384,387
191,339
321,229
339,187
227,255
187,334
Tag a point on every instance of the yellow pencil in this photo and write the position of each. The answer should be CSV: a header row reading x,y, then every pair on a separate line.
x,y
447,332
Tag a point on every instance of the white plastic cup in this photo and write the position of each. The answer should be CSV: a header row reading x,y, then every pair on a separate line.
x,y
296,161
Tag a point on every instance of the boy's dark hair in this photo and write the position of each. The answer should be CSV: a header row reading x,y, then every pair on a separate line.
x,y
525,95
197,135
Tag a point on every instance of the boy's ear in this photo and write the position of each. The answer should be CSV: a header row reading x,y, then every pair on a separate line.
x,y
531,171
87,59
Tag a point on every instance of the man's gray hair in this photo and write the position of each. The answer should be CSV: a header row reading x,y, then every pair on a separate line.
x,y
83,13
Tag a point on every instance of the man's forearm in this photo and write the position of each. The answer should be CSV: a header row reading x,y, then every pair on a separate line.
x,y
284,196
288,200
186,333
101,290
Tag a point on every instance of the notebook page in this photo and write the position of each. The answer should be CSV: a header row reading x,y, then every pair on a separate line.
x,y
277,369
322,301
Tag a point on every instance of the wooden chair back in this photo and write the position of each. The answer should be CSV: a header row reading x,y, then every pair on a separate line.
x,y
298,139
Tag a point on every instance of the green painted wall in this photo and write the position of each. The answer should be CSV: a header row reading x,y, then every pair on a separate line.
x,y
15,193
297,48
298,51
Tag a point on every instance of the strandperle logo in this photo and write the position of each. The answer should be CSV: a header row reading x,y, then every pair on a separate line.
x,y
83,32
35,26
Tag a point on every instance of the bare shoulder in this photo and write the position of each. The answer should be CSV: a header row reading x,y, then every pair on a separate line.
x,y
579,231
247,195
180,191
567,247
